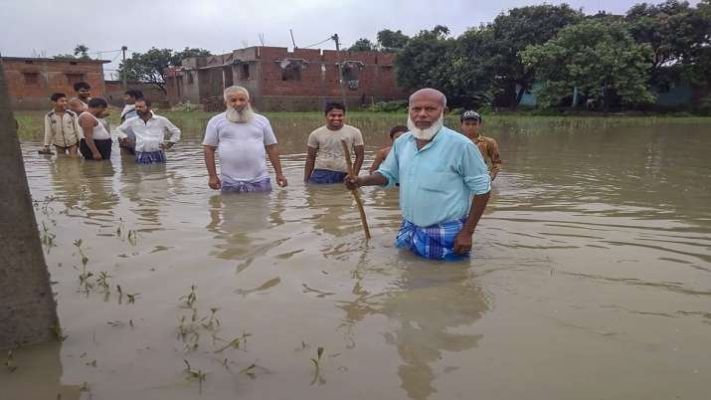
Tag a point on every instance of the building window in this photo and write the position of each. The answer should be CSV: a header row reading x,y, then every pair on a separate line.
x,y
75,78
245,72
31,78
291,72
227,76
190,78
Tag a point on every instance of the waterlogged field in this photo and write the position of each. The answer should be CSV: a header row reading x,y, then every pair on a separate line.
x,y
590,279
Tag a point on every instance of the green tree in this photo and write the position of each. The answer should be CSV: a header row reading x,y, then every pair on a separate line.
x,y
81,51
510,34
392,40
362,44
600,59
472,75
150,66
424,61
678,35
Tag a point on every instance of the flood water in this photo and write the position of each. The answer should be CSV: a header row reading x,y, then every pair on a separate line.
x,y
590,278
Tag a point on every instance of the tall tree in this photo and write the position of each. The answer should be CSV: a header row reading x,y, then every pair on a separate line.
x,y
512,33
392,40
472,74
81,51
150,66
362,44
599,59
677,34
424,61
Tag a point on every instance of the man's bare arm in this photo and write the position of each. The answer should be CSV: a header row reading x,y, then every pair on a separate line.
x,y
310,162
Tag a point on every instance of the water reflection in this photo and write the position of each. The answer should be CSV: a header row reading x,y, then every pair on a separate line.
x,y
151,187
237,220
38,375
433,307
328,204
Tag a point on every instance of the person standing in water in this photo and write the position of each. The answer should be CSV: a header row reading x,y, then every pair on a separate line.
x,y
243,139
61,128
96,143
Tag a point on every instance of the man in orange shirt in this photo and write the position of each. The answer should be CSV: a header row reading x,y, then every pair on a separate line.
x,y
471,124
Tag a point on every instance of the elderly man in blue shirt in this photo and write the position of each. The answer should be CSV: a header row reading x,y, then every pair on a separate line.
x,y
444,182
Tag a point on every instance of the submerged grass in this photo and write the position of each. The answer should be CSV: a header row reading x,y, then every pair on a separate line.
x,y
287,124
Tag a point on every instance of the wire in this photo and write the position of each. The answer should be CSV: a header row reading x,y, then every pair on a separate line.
x,y
316,44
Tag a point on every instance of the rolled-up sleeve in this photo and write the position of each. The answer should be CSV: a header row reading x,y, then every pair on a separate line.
x,y
474,170
390,168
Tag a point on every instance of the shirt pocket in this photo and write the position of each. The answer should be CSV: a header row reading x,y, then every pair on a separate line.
x,y
440,182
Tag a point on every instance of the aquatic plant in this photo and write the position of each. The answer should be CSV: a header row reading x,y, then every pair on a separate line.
x,y
10,361
195,374
132,297
58,333
189,298
317,360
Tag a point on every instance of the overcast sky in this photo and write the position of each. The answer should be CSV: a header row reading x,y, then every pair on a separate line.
x,y
50,27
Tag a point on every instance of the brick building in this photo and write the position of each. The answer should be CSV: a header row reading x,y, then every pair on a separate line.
x,y
279,79
32,80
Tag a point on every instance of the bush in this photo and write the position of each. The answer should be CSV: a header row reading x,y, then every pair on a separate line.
x,y
704,107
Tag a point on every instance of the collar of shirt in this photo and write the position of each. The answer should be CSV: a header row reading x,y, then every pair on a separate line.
x,y
435,139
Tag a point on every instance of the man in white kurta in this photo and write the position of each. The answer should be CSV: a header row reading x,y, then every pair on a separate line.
x,y
149,131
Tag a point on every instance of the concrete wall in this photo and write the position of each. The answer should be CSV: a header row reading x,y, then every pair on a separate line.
x,y
27,307
32,80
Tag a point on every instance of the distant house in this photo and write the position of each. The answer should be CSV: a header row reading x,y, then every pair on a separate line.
x,y
32,80
279,79
115,91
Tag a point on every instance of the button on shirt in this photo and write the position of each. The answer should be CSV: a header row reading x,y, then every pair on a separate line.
x,y
240,147
61,129
437,182
149,134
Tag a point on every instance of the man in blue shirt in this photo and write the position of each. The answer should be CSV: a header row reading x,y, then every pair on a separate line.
x,y
444,182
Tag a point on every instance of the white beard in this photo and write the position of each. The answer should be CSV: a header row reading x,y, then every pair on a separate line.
x,y
240,117
428,133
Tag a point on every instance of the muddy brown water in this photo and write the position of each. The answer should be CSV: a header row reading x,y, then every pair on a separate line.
x,y
591,278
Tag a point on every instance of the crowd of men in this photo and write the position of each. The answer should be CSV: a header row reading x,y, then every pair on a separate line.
x,y
79,126
441,174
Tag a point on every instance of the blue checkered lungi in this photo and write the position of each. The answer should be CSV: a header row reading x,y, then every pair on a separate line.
x,y
435,242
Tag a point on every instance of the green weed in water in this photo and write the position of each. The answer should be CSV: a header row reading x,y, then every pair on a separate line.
x,y
317,360
58,333
195,375
47,238
132,297
250,371
190,298
10,361
84,258
213,323
103,280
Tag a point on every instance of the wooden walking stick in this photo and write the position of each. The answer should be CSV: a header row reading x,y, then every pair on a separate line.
x,y
356,194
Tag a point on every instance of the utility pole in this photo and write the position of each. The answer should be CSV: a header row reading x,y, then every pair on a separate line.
x,y
340,67
123,69
291,32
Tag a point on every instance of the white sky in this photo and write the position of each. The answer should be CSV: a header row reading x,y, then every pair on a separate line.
x,y
49,27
